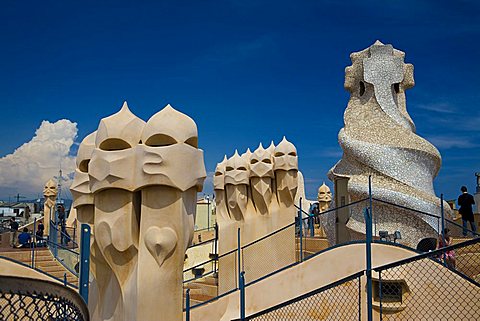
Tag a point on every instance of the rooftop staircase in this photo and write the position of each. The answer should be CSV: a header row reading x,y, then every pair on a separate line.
x,y
206,288
44,261
202,289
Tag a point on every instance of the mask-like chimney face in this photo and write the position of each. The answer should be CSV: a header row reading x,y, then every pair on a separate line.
x,y
324,194
261,175
261,164
114,155
285,156
236,170
236,185
143,180
50,188
80,186
285,165
219,176
111,168
170,145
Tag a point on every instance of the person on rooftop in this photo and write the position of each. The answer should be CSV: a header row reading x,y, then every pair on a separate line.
x,y
13,232
465,201
24,239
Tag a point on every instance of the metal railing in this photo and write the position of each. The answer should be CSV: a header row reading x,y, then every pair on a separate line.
x,y
278,247
340,300
33,299
208,267
424,286
369,221
64,280
67,257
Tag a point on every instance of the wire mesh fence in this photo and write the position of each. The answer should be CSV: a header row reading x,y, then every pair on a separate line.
x,y
457,230
269,254
431,286
63,235
338,301
402,224
321,230
206,286
32,299
315,232
194,269
228,272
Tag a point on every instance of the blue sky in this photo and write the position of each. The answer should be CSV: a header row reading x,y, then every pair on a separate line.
x,y
245,71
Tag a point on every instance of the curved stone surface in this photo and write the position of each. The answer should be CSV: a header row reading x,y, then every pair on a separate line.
x,y
256,192
136,184
379,139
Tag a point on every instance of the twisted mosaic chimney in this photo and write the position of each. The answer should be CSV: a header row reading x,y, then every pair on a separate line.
x,y
379,139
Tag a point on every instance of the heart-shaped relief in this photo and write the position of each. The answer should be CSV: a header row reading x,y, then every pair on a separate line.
x,y
160,242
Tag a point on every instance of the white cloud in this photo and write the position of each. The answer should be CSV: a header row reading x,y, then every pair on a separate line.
x,y
447,142
437,107
28,168
330,152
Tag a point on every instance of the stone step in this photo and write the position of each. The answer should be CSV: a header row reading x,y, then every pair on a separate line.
x,y
197,295
26,255
200,297
43,264
208,289
192,302
305,254
210,280
44,261
315,244
52,268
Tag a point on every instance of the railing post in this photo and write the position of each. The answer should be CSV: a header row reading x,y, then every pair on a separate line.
x,y
300,225
74,240
187,306
443,229
241,279
34,241
311,219
380,293
370,197
242,296
239,250
359,298
215,249
208,213
84,261
50,227
368,259
53,233
368,251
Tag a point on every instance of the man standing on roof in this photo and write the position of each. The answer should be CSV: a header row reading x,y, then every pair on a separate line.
x,y
13,232
465,201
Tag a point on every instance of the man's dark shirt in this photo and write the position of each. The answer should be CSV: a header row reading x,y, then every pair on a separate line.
x,y
13,226
465,201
